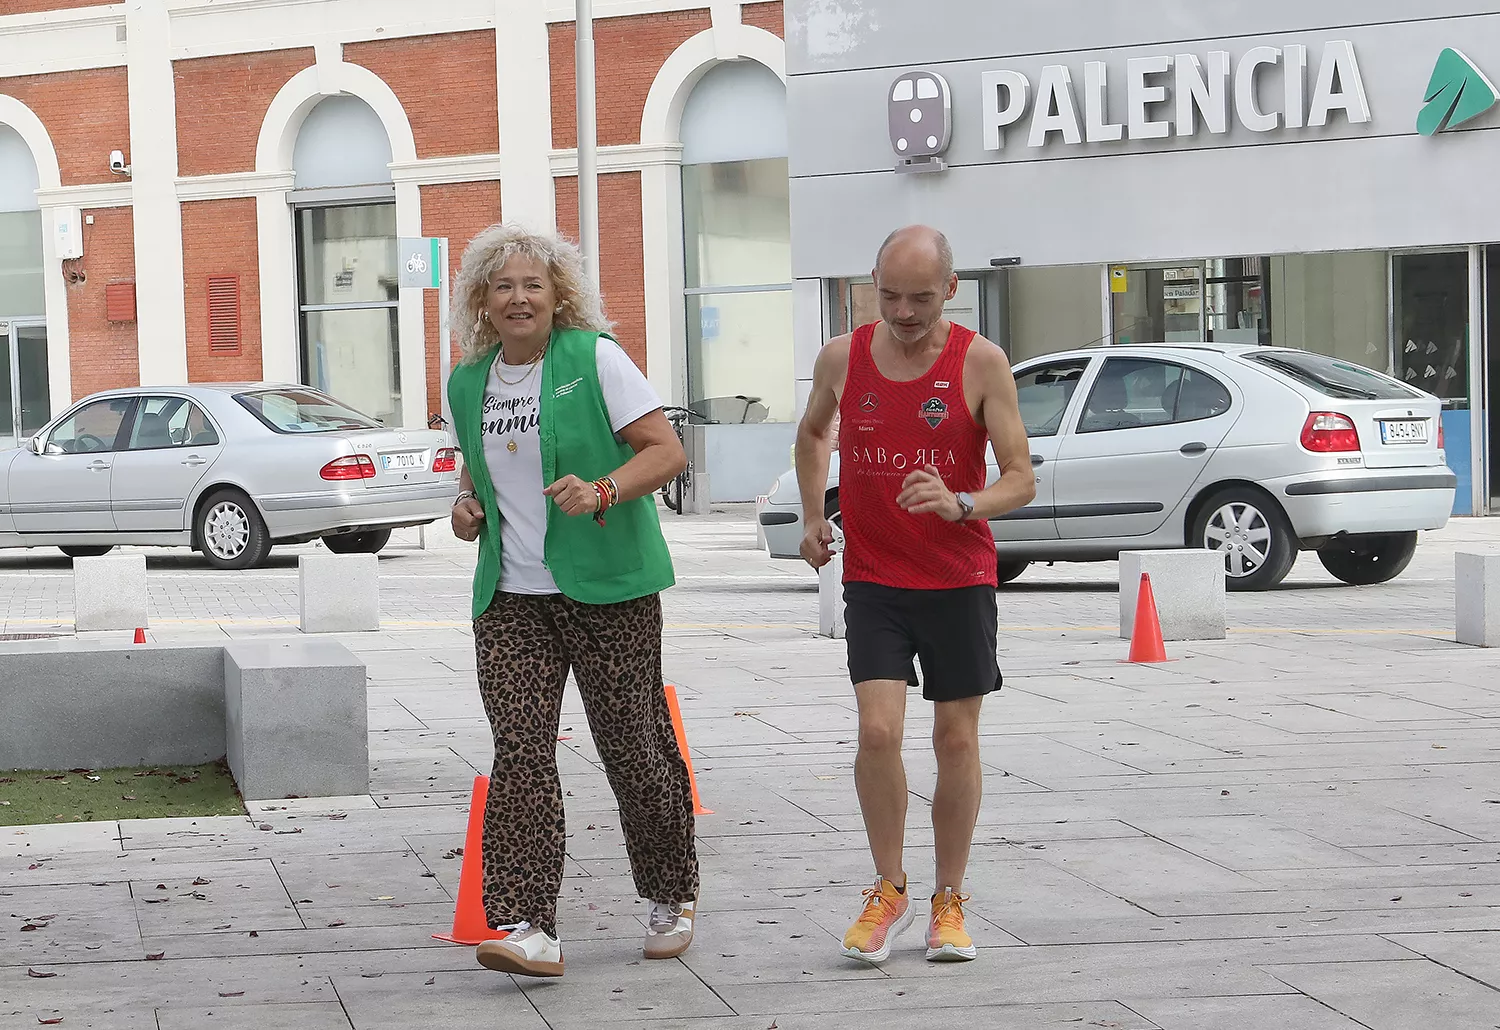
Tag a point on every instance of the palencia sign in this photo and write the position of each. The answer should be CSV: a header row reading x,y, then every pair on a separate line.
x,y
1178,95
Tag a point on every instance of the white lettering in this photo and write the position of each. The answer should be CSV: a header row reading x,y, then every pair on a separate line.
x,y
1096,105
1246,104
1055,110
899,461
997,115
1141,97
1340,87
1198,95
1294,61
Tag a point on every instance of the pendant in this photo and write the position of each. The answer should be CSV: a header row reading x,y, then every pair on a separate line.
x,y
511,446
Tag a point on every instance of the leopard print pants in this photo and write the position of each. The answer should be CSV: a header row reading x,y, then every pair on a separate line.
x,y
525,646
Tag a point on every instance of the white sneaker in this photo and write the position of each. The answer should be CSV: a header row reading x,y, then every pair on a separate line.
x,y
669,929
526,951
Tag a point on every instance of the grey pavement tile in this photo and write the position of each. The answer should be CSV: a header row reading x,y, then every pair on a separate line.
x,y
1374,898
250,897
769,945
475,997
1248,843
1475,954
69,838
418,769
349,880
609,982
317,1016
108,1018
73,922
1126,866
1263,1012
1396,995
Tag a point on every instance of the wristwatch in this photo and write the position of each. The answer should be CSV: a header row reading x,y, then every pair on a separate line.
x,y
966,502
464,496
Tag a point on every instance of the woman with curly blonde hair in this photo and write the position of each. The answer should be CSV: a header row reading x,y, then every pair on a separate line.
x,y
564,444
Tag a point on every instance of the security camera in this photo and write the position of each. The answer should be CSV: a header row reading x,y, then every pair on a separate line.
x,y
117,163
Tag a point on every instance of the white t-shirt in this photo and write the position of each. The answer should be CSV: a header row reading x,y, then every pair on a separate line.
x,y
511,414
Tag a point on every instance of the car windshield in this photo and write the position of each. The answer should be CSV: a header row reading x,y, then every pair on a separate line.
x,y
303,411
1333,377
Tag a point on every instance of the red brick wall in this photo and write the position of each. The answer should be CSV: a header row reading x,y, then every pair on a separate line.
x,y
221,103
446,83
33,6
765,16
621,257
103,354
458,211
628,54
87,114
218,238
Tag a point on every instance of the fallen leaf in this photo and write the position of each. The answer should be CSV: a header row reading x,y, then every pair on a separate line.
x,y
768,922
254,933
231,994
92,779
336,922
338,815
32,926
49,1022
430,875
161,886
127,797
282,833
156,956
200,881
39,976
156,901
430,981
618,990
372,976
385,897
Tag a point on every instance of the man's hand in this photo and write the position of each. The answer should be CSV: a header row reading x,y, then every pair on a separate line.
x,y
924,492
468,516
817,549
574,496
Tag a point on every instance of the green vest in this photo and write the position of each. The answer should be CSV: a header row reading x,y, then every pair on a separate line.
x,y
624,559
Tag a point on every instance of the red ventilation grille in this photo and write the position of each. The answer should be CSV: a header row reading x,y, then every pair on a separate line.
x,y
224,314
119,301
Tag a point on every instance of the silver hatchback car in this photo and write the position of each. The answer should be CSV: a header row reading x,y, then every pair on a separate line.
x,y
227,469
1253,452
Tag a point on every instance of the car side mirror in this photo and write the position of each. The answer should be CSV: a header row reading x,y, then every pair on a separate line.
x,y
37,445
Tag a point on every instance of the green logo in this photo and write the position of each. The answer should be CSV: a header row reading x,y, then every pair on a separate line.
x,y
1458,92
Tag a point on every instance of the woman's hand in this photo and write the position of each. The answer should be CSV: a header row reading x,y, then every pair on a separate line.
x,y
574,496
468,516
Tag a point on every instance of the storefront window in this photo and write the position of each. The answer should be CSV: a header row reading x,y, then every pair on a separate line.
x,y
1432,324
738,264
21,291
1334,304
348,284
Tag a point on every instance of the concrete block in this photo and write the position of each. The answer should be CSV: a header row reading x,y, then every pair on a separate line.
x,y
109,592
1189,589
296,719
831,591
1476,589
340,592
72,705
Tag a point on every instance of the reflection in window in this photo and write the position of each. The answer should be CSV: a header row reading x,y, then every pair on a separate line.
x,y
1432,324
93,427
1044,394
171,422
1132,393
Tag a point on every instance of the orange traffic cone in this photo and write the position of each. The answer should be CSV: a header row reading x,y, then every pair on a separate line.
x,y
140,636
1146,645
682,745
469,923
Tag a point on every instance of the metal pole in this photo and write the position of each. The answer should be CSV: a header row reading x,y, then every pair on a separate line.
x,y
588,140
445,338
1479,486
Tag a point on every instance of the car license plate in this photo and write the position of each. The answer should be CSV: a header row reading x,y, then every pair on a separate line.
x,y
1403,431
404,462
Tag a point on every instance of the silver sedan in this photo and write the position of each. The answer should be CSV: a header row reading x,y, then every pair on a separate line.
x,y
1253,452
227,469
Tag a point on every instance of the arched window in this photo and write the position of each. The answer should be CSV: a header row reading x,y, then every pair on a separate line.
x,y
737,240
346,257
25,402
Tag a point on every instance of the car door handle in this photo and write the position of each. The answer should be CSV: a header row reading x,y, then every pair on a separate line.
x,y
1194,448
98,466
195,461
1037,461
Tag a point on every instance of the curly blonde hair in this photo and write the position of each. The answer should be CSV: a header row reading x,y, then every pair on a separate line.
x,y
487,253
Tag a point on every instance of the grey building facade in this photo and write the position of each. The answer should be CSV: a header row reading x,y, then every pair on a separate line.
x,y
1289,174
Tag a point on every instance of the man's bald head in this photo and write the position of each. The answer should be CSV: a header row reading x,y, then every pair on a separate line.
x,y
915,246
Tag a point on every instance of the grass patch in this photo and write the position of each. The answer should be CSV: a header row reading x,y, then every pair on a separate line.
x,y
90,795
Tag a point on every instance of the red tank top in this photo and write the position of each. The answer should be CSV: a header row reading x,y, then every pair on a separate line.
x,y
886,430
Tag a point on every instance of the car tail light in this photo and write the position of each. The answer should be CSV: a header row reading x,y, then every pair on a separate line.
x,y
1440,434
446,460
354,466
1327,431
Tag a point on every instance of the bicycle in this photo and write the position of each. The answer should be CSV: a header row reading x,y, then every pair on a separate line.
x,y
675,489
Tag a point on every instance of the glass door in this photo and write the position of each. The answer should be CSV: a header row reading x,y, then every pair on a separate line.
x,y
25,398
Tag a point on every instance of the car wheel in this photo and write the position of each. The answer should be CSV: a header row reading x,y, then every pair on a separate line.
x,y
87,551
1252,534
1363,561
1008,569
368,542
231,533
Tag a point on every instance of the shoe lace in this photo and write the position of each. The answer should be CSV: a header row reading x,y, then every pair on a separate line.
x,y
948,913
664,916
874,911
514,929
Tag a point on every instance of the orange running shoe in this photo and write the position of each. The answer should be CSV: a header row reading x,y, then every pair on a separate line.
x,y
887,912
947,941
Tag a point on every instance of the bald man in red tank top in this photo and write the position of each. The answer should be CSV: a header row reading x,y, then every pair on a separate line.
x,y
917,398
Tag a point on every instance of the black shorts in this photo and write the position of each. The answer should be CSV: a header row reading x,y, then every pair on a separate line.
x,y
951,631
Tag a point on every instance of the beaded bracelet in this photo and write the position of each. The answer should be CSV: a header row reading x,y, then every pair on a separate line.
x,y
608,492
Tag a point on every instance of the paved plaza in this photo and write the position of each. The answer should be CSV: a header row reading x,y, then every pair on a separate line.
x,y
1297,828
